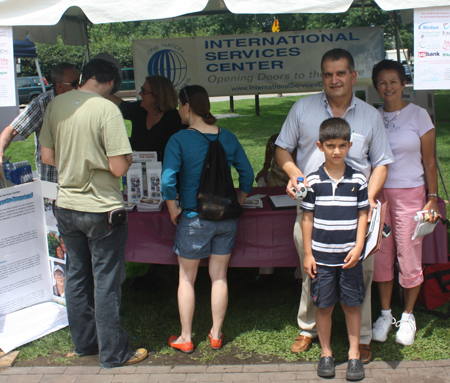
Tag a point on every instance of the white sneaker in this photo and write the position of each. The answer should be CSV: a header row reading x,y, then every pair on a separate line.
x,y
382,327
407,330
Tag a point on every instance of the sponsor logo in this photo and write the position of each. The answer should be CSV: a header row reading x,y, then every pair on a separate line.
x,y
446,54
446,25
429,54
4,51
432,46
169,63
445,33
446,45
427,27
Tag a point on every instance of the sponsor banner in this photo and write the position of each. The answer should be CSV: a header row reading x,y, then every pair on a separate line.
x,y
283,62
7,70
432,48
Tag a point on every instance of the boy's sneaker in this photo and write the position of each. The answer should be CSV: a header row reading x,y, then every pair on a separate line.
x,y
407,330
382,327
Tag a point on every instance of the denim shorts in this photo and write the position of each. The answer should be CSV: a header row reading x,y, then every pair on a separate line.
x,y
333,284
197,238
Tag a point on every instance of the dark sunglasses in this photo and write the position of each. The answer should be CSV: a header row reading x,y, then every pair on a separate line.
x,y
73,84
144,92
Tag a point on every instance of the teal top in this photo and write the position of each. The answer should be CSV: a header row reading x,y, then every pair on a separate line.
x,y
185,154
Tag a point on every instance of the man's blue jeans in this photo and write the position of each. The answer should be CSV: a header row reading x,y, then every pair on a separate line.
x,y
95,271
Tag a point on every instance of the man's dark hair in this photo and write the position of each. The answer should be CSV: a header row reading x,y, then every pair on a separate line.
x,y
102,71
388,65
58,71
334,128
337,54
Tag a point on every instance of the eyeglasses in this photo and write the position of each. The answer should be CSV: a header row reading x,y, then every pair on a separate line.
x,y
73,84
144,92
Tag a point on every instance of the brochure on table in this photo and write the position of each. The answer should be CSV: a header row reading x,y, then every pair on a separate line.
x,y
32,273
144,177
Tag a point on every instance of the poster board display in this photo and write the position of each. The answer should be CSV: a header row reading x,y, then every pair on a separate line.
x,y
32,280
432,48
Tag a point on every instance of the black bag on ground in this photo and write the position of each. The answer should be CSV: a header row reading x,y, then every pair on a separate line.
x,y
216,199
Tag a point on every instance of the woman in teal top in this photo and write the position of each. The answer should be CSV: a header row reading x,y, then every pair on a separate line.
x,y
196,238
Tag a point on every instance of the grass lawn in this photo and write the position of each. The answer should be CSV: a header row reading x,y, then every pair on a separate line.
x,y
260,321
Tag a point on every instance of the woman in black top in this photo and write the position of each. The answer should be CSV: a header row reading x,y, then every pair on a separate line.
x,y
155,118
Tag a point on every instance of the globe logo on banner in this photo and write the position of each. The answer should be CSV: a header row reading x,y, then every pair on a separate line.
x,y
170,64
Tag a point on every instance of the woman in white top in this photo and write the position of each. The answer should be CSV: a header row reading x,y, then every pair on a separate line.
x,y
412,138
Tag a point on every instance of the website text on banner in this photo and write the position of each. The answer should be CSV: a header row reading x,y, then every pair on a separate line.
x,y
283,62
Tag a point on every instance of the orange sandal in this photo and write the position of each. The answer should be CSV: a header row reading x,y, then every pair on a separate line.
x,y
216,344
187,347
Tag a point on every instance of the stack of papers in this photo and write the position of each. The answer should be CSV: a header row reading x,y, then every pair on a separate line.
x,y
254,201
423,227
149,204
129,206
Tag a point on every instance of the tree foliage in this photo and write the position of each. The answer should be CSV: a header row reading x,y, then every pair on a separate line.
x,y
116,38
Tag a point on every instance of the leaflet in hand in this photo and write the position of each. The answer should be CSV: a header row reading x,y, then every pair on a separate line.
x,y
423,227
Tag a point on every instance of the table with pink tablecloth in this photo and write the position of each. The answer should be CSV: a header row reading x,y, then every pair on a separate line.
x,y
264,236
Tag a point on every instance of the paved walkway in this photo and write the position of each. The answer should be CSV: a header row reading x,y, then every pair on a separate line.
x,y
379,372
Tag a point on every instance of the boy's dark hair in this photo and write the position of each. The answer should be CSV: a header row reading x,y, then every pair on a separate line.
x,y
337,54
103,71
334,128
388,65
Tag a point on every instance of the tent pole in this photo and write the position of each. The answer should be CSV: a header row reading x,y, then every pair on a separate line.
x,y
38,68
394,18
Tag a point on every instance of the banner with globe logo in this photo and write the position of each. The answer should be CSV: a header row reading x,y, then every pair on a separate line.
x,y
283,62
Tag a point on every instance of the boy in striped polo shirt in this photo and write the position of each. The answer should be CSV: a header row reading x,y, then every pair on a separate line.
x,y
334,226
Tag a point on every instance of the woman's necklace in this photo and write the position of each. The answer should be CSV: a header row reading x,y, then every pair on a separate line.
x,y
388,122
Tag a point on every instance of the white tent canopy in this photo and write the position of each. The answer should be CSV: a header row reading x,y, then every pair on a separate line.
x,y
43,20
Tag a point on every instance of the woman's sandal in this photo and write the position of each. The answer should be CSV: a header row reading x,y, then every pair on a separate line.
x,y
187,347
326,369
216,344
355,370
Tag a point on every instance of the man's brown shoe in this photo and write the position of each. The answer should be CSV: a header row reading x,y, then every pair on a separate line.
x,y
302,343
365,352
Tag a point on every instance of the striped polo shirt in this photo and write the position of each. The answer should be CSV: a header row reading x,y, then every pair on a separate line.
x,y
335,206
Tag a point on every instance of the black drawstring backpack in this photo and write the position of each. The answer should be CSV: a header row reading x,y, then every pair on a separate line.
x,y
216,199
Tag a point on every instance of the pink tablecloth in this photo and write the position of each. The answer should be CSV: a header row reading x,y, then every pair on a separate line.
x,y
264,236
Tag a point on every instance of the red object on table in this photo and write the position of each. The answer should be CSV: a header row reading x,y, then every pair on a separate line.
x,y
264,239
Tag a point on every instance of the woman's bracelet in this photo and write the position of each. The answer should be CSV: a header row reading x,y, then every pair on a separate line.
x,y
432,195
